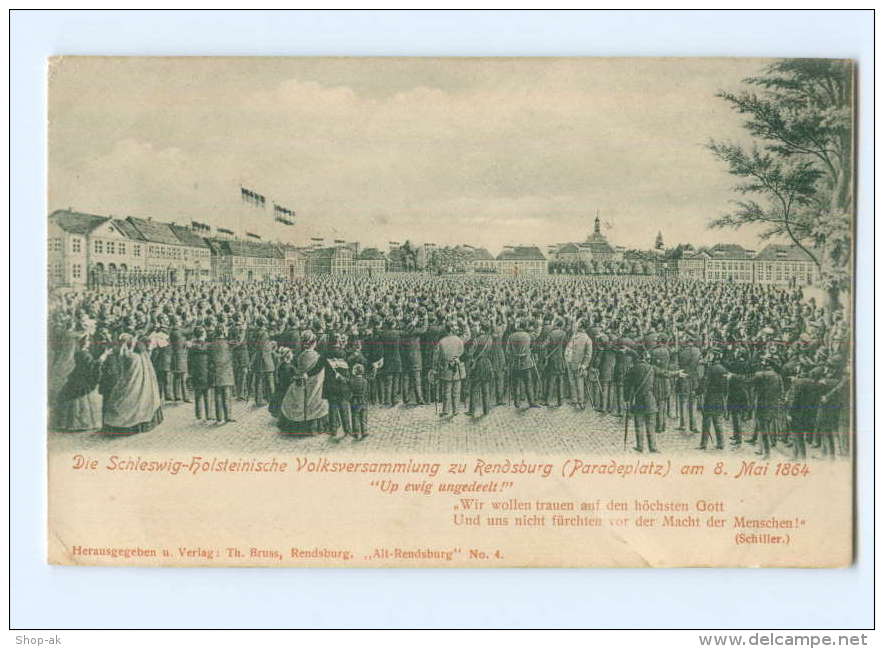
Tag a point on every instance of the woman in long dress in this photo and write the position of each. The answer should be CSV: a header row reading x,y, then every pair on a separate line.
x,y
63,345
78,405
302,408
132,401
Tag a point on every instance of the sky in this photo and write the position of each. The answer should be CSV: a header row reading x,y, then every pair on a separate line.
x,y
489,152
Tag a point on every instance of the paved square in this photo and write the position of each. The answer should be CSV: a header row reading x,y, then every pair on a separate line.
x,y
401,429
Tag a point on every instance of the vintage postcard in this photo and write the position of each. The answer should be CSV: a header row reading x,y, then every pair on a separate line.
x,y
417,312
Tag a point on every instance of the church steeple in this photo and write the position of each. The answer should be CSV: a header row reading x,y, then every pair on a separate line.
x,y
598,225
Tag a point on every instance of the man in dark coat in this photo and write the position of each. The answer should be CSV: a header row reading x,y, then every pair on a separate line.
x,y
179,344
448,369
263,364
431,336
521,363
481,368
689,365
622,364
221,373
659,355
242,361
498,359
412,359
638,390
336,388
291,336
607,362
835,397
738,394
200,379
554,362
391,370
373,348
713,389
162,361
803,401
768,387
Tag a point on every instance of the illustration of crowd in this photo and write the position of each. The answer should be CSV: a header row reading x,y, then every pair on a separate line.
x,y
322,351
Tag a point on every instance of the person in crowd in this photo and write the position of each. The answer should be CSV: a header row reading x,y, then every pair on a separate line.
x,y
554,362
767,385
481,369
303,407
132,402
391,369
242,361
79,401
412,359
336,388
799,341
713,390
641,405
359,402
162,357
521,363
221,374
739,400
263,365
200,379
449,369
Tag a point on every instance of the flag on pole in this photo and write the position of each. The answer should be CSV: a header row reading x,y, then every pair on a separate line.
x,y
253,236
252,198
283,214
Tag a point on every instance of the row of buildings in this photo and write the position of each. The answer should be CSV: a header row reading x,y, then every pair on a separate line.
x,y
775,264
85,248
88,248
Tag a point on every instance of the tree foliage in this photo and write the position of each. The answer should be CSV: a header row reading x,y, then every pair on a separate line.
x,y
797,176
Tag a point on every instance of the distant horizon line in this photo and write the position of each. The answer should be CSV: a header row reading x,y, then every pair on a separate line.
x,y
290,241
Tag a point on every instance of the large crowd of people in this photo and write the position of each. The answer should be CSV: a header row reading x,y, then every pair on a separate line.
x,y
319,352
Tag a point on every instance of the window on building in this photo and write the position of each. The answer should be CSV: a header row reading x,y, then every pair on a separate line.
x,y
99,246
122,248
76,244
110,247
76,271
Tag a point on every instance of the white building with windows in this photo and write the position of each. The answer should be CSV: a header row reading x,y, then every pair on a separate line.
x,y
80,242
517,261
729,262
785,265
183,255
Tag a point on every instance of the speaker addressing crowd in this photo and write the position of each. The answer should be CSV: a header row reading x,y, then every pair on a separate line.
x,y
320,352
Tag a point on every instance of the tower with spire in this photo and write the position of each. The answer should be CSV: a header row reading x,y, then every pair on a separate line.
x,y
597,244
